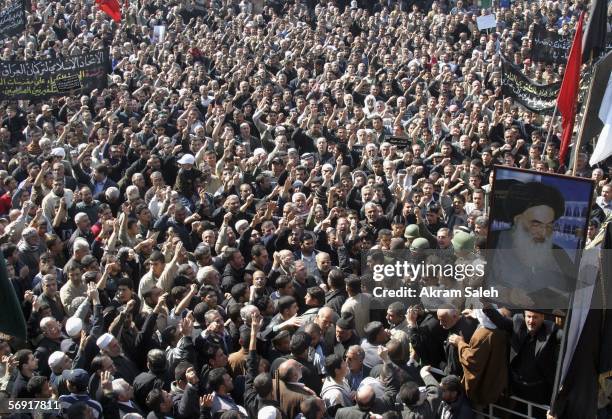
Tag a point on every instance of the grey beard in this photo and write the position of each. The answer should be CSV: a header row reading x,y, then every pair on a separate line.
x,y
530,253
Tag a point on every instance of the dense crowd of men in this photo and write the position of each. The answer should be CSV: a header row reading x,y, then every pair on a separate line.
x,y
188,241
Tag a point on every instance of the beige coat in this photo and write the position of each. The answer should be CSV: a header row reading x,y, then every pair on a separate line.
x,y
484,360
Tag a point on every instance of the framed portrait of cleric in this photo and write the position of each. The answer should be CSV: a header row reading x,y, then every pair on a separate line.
x,y
537,227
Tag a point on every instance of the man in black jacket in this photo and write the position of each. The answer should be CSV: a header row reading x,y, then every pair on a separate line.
x,y
336,296
431,343
50,343
155,377
534,347
300,342
27,363
258,387
345,335
425,334
454,322
185,391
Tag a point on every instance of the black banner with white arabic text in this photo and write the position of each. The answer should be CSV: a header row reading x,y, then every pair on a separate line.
x,y
13,19
549,47
37,79
535,97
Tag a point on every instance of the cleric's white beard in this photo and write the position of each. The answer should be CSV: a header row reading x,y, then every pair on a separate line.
x,y
531,253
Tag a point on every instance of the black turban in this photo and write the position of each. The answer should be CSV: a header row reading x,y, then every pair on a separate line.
x,y
522,196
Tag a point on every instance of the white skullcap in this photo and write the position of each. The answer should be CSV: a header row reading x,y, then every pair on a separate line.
x,y
268,412
56,358
104,340
74,325
58,152
241,223
186,159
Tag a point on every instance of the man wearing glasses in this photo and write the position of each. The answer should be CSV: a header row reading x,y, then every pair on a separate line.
x,y
525,259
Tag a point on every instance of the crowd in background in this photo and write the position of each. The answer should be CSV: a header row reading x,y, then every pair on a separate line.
x,y
188,241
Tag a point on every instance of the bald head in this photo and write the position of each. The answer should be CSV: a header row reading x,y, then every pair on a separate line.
x,y
290,371
325,318
365,396
327,312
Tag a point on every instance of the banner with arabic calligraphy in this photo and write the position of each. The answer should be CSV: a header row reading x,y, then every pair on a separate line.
x,y
13,19
38,79
535,97
549,47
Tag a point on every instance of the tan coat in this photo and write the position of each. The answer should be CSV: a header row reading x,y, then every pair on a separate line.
x,y
359,307
484,362
289,396
69,292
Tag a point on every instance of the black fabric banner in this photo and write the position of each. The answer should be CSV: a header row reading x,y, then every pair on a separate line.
x,y
37,79
549,47
597,87
535,97
13,19
12,322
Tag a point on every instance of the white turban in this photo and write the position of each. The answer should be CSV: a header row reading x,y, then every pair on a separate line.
x,y
483,319
74,325
104,341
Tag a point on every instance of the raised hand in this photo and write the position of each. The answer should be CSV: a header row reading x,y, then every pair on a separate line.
x,y
161,302
83,340
35,303
179,249
207,401
192,376
383,353
187,326
130,306
106,381
256,322
412,316
92,293
28,296
212,328
295,321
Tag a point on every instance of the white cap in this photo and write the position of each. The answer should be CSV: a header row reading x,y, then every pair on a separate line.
x,y
74,325
58,152
268,412
186,159
104,340
56,358
240,224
